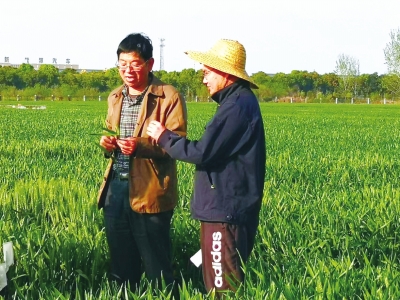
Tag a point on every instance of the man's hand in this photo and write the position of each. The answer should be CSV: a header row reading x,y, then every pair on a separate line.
x,y
127,145
108,142
155,129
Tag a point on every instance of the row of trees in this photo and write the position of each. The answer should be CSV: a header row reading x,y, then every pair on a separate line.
x,y
46,82
345,82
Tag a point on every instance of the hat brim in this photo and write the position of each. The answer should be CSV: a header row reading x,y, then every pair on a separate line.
x,y
217,63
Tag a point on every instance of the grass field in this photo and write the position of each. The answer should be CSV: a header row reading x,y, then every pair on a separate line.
x,y
330,221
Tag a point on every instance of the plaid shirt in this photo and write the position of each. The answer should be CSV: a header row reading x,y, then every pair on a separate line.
x,y
129,115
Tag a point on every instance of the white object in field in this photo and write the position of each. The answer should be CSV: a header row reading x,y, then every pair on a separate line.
x,y
196,259
8,261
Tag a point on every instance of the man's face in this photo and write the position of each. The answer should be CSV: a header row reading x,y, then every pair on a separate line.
x,y
134,71
214,80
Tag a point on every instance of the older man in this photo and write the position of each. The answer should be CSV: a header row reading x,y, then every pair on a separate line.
x,y
230,165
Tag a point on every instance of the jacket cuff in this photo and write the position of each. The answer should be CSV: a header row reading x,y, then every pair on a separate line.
x,y
164,138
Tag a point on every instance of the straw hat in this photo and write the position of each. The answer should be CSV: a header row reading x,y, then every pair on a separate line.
x,y
227,56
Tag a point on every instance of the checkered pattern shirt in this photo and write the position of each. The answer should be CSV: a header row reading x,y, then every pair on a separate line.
x,y
129,115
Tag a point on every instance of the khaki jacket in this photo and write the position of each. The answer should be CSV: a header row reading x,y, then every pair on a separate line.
x,y
153,185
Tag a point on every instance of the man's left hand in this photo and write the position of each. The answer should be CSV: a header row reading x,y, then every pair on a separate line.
x,y
127,145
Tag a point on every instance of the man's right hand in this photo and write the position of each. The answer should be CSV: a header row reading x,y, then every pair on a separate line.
x,y
108,142
155,129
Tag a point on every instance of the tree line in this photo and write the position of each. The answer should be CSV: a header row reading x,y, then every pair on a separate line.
x,y
344,82
48,82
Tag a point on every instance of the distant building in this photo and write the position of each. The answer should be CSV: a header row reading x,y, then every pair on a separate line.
x,y
36,66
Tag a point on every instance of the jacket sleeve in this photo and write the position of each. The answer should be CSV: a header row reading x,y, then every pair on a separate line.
x,y
174,117
224,135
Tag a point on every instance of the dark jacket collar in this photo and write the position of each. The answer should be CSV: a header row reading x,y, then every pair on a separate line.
x,y
229,90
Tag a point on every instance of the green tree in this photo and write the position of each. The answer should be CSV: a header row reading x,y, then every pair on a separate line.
x,y
392,59
69,77
301,81
347,69
369,83
112,78
48,75
93,80
187,83
279,85
392,53
173,79
391,85
201,90
263,81
8,76
8,92
162,75
261,78
326,83
26,76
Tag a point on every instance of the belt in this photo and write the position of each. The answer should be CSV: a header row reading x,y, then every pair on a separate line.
x,y
121,175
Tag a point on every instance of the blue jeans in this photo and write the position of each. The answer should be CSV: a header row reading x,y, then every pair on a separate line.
x,y
137,241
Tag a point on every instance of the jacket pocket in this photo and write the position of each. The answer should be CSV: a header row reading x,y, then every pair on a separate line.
x,y
160,169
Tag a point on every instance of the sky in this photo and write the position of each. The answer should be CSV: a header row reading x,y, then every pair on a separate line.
x,y
279,36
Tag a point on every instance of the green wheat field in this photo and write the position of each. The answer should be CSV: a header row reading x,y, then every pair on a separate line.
x,y
330,220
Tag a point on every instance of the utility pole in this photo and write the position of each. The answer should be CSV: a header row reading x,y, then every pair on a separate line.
x,y
162,45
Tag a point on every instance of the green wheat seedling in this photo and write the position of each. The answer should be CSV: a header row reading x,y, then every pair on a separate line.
x,y
107,132
329,224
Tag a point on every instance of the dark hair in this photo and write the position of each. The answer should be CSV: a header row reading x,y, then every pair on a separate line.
x,y
136,42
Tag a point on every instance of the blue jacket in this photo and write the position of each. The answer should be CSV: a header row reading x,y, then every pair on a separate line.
x,y
229,157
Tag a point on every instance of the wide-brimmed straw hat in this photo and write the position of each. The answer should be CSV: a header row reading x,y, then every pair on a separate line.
x,y
227,56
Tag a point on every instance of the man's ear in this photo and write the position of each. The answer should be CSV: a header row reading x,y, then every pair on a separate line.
x,y
150,63
231,78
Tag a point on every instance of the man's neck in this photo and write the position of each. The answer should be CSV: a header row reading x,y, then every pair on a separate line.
x,y
137,91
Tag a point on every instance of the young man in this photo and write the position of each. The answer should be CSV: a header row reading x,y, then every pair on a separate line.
x,y
139,191
230,165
